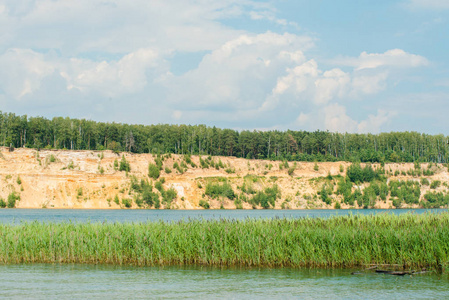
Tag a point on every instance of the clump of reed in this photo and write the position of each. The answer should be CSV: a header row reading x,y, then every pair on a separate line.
x,y
410,240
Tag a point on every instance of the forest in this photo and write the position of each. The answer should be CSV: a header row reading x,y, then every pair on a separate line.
x,y
81,134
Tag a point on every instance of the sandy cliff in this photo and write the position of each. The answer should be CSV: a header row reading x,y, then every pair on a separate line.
x,y
89,179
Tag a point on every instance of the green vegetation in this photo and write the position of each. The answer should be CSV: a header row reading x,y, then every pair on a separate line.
x,y
349,241
204,204
12,199
435,184
117,200
216,190
266,198
124,165
75,134
435,200
357,174
153,171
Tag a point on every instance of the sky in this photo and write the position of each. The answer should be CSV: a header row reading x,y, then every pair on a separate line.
x,y
357,66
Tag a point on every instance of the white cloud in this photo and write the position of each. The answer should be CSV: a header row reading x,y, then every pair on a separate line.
x,y
396,58
374,122
121,26
269,15
128,75
240,73
368,83
333,83
336,119
114,56
21,72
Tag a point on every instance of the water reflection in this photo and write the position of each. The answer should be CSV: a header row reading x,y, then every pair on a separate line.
x,y
41,281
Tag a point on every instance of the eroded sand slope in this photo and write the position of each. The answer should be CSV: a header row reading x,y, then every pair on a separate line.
x,y
88,179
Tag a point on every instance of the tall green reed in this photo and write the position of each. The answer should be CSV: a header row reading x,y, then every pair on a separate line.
x,y
409,240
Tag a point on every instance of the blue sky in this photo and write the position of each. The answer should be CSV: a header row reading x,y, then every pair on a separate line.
x,y
346,66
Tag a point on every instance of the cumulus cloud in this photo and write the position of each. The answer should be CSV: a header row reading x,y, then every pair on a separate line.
x,y
121,26
21,72
128,75
107,55
369,83
333,83
392,58
240,73
336,119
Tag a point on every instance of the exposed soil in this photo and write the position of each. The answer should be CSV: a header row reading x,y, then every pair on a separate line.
x,y
88,179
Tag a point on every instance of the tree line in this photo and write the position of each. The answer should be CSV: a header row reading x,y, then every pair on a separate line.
x,y
82,134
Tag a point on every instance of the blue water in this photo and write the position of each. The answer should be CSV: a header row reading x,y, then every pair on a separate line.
x,y
42,281
101,215
74,281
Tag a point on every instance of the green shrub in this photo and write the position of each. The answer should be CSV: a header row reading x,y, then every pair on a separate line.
x,y
324,195
248,188
358,174
124,165
169,195
238,203
216,190
435,184
425,181
12,199
204,204
178,168
116,200
230,171
203,163
158,186
127,203
2,203
158,162
153,171
150,198
266,198
435,200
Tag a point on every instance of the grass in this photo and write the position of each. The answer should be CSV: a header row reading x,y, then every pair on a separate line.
x,y
412,241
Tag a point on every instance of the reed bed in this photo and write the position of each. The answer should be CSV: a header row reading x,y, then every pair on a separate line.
x,y
409,240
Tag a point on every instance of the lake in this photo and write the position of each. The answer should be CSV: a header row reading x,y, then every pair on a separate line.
x,y
41,281
56,281
142,215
